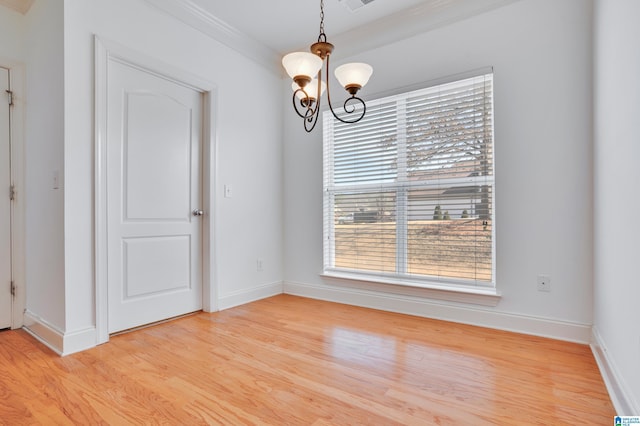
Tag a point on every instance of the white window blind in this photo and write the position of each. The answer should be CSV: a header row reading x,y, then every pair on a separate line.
x,y
408,191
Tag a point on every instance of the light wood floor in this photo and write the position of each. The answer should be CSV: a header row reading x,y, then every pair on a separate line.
x,y
294,361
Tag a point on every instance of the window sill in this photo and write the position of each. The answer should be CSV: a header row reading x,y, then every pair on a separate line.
x,y
460,294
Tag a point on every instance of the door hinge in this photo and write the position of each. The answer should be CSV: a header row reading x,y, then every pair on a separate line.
x,y
10,93
12,192
13,288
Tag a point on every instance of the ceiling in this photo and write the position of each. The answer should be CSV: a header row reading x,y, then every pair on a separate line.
x,y
287,25
265,30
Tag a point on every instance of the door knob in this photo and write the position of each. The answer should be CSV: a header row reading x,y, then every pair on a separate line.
x,y
198,212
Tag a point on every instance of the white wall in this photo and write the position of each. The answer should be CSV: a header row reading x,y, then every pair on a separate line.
x,y
617,175
58,54
541,54
44,142
249,151
11,36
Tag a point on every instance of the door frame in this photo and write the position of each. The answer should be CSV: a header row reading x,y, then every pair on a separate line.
x,y
16,142
106,51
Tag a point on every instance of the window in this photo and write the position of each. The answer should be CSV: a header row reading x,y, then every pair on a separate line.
x,y
408,191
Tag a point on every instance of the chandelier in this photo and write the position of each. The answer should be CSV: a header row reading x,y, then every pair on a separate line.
x,y
306,71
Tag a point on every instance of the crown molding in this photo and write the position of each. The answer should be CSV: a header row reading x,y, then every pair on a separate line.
x,y
200,19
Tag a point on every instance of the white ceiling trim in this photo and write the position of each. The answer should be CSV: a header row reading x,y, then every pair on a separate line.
x,y
203,21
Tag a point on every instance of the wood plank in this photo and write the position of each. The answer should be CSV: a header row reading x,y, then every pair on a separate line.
x,y
291,360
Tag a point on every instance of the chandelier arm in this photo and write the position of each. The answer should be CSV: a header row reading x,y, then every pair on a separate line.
x,y
319,92
312,114
311,121
353,108
295,103
346,110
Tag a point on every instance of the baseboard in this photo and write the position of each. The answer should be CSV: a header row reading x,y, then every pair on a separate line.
x,y
474,315
55,339
250,295
618,390
45,332
79,340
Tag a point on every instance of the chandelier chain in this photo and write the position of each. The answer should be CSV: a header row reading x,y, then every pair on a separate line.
x,y
322,36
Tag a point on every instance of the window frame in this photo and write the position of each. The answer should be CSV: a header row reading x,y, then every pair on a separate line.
x,y
441,284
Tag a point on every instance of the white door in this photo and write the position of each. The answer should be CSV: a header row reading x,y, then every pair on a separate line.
x,y
154,222
5,204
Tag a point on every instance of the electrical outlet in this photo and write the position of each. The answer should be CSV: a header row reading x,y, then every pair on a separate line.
x,y
544,283
259,265
228,191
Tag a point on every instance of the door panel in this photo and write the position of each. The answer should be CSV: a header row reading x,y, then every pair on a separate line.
x,y
5,204
153,185
158,189
155,265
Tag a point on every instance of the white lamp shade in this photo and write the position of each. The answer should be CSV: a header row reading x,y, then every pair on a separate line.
x,y
355,73
302,64
311,89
